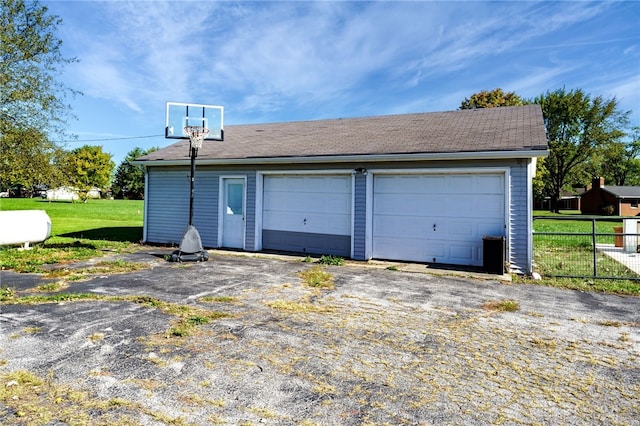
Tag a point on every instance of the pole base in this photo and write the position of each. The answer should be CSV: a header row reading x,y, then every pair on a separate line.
x,y
191,249
178,256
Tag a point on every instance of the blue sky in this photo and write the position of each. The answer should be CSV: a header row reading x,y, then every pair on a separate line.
x,y
290,61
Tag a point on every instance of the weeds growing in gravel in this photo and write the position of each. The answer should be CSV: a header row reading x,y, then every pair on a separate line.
x,y
189,317
317,277
331,260
219,299
35,400
505,305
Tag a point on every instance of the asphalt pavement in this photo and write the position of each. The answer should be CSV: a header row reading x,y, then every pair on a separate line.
x,y
381,346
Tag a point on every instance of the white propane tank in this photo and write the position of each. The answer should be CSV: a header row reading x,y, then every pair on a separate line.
x,y
24,227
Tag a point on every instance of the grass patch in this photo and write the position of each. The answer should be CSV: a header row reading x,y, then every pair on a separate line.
x,y
49,287
100,268
563,259
611,286
219,299
78,231
317,277
96,337
7,293
506,305
299,306
610,323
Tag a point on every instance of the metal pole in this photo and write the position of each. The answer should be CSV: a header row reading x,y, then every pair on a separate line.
x,y
194,153
593,240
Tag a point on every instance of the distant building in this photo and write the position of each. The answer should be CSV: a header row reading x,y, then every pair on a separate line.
x,y
610,199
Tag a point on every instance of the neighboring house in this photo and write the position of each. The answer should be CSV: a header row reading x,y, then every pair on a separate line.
x,y
568,201
66,193
610,199
415,187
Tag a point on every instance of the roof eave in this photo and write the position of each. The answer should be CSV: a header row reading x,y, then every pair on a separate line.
x,y
369,158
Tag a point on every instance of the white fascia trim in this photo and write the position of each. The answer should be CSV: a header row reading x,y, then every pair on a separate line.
x,y
442,170
485,155
145,213
323,172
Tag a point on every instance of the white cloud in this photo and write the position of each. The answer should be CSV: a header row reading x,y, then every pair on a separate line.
x,y
265,57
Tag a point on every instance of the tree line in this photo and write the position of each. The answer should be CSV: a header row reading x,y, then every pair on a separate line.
x,y
588,136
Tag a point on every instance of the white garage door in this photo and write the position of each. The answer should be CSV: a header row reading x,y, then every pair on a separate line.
x,y
436,218
307,214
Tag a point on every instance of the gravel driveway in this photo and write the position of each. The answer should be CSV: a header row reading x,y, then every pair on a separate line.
x,y
380,347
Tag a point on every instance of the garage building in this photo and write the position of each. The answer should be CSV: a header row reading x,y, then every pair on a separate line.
x,y
424,187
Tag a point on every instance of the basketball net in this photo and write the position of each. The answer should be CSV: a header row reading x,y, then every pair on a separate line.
x,y
196,135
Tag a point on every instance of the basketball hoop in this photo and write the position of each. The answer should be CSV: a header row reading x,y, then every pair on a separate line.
x,y
196,135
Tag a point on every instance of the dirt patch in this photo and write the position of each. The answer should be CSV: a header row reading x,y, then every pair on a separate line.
x,y
377,347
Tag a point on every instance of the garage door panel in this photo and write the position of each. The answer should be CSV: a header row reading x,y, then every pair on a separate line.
x,y
399,248
399,226
436,218
406,205
303,202
308,222
489,184
459,184
490,228
306,184
487,205
462,251
309,214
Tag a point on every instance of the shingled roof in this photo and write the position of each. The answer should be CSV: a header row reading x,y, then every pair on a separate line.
x,y
623,191
516,130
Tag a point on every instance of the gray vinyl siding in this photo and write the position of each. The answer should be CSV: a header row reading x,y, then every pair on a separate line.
x,y
205,206
359,217
250,212
518,219
167,207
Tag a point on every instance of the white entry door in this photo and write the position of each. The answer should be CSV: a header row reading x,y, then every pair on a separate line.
x,y
233,212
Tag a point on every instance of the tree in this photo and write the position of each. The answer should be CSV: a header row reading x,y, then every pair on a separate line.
x,y
30,63
577,126
40,168
492,98
32,99
88,167
619,163
129,178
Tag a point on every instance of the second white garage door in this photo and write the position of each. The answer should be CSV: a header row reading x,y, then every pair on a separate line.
x,y
439,218
307,214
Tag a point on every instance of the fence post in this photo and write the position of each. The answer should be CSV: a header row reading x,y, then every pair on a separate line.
x,y
593,238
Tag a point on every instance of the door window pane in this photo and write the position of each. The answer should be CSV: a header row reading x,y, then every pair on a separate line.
x,y
235,192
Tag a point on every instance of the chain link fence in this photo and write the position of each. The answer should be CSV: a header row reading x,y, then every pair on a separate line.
x,y
587,247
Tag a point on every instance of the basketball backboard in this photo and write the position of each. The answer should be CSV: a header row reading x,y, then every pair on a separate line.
x,y
180,115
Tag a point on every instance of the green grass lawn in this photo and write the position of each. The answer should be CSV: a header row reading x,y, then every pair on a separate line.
x,y
78,231
85,230
76,218
560,257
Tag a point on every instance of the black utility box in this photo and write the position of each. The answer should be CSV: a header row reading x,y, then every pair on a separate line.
x,y
493,257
